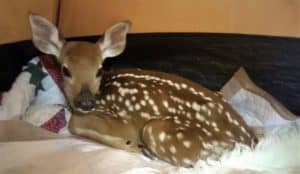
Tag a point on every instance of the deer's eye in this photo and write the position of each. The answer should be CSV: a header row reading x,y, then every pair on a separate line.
x,y
99,72
66,72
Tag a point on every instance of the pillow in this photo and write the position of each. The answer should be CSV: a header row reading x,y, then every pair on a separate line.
x,y
36,97
256,106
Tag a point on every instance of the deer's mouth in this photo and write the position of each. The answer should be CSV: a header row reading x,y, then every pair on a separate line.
x,y
83,111
84,102
84,105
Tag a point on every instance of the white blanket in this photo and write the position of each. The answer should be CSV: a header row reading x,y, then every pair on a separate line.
x,y
277,152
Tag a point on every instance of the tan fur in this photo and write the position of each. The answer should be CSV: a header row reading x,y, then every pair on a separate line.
x,y
172,118
83,60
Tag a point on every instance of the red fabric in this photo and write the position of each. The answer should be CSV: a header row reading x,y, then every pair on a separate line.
x,y
56,123
52,68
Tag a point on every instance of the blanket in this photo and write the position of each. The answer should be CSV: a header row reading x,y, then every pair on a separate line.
x,y
37,100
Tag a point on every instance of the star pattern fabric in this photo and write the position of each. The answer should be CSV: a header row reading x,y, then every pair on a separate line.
x,y
37,75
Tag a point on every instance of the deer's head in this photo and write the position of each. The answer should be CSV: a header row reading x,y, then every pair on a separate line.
x,y
81,62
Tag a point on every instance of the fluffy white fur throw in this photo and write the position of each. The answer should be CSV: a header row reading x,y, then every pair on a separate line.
x,y
275,154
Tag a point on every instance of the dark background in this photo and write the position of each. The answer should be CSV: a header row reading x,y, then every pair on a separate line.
x,y
273,63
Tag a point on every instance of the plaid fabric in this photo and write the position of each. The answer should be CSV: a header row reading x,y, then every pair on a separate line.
x,y
52,68
57,122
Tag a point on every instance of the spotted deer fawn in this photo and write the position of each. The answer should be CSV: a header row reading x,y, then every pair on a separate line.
x,y
171,118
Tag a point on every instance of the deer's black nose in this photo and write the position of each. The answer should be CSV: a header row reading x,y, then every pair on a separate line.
x,y
86,104
85,100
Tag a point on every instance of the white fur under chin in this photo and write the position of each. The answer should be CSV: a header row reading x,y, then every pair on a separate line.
x,y
275,154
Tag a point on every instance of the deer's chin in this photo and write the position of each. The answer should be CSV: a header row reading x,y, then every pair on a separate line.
x,y
79,110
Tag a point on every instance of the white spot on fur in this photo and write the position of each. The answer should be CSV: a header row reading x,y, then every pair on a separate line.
x,y
199,117
122,113
130,108
188,115
201,94
224,144
207,98
228,133
228,116
133,98
177,86
162,149
206,132
203,153
117,84
207,122
120,99
216,129
195,106
162,136
174,159
165,103
179,135
113,97
188,104
142,85
180,107
145,115
137,106
235,122
183,85
127,102
177,121
143,102
187,161
220,108
187,144
155,109
151,102
213,124
211,105
173,149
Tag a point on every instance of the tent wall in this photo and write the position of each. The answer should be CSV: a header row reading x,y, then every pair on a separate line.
x,y
263,17
13,17
92,17
210,59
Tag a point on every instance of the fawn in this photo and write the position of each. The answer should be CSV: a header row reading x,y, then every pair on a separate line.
x,y
171,118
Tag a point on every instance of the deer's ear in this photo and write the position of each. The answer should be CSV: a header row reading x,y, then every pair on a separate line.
x,y
45,35
114,40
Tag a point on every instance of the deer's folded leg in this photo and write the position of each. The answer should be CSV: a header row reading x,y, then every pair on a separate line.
x,y
183,143
114,132
171,143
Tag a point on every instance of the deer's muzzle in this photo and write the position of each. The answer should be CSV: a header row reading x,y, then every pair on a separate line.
x,y
84,101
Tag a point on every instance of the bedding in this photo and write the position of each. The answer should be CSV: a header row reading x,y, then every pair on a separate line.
x,y
36,98
38,85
